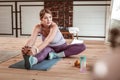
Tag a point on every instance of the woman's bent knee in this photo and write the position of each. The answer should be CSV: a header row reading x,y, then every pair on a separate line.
x,y
83,47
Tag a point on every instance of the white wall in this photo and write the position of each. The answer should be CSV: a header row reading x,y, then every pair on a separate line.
x,y
6,18
91,20
29,17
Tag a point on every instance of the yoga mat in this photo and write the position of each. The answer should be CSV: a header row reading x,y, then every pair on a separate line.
x,y
44,65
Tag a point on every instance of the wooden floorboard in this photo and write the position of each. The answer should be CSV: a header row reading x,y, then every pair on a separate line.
x,y
62,70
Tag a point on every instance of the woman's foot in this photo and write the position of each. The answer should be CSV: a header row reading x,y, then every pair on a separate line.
x,y
29,61
53,55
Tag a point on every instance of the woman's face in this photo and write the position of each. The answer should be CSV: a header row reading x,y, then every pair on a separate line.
x,y
47,19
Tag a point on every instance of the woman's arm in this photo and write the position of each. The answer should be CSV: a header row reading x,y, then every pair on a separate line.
x,y
33,37
50,37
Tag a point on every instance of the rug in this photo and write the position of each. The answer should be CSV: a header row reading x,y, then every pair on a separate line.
x,y
6,55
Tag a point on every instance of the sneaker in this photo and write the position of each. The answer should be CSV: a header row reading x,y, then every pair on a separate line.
x,y
28,61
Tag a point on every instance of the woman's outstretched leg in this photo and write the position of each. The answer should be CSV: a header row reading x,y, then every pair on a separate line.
x,y
43,54
30,59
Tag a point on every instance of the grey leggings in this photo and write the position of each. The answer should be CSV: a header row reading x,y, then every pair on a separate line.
x,y
72,49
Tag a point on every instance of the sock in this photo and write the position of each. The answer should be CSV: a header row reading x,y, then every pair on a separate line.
x,y
34,60
53,55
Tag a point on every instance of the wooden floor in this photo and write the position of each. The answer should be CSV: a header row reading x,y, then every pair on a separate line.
x,y
63,70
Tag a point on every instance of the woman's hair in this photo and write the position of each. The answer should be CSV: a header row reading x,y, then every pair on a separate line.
x,y
43,11
114,37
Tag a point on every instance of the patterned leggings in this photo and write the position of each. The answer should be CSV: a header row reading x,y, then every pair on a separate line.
x,y
72,49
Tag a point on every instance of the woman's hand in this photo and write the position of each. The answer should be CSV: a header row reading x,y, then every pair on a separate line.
x,y
26,50
29,50
34,50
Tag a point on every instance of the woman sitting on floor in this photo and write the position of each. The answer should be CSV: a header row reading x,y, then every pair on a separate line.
x,y
53,45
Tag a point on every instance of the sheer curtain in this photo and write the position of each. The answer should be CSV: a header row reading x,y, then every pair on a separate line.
x,y
115,16
115,10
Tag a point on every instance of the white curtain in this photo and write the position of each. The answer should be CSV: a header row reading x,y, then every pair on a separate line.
x,y
115,9
115,16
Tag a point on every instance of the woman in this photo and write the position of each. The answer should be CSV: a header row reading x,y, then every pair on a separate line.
x,y
53,45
